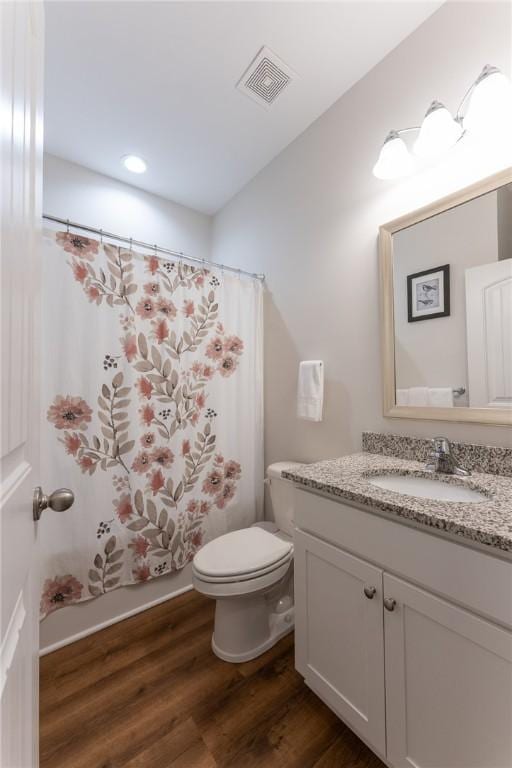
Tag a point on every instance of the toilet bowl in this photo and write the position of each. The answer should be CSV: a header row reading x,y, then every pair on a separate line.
x,y
250,575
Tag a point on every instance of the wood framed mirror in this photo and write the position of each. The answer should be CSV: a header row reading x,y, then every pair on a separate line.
x,y
446,307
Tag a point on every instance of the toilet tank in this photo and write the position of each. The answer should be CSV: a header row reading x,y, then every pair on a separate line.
x,y
281,495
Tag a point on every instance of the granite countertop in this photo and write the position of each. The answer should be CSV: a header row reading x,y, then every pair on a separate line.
x,y
485,522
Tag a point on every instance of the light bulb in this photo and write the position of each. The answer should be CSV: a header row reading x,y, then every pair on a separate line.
x,y
490,107
438,132
134,163
394,159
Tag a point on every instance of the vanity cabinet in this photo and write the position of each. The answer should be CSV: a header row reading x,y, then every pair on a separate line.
x,y
424,681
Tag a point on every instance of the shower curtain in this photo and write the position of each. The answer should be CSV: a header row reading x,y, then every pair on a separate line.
x,y
152,411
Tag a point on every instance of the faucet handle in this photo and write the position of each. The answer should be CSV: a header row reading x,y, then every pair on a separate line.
x,y
444,459
441,446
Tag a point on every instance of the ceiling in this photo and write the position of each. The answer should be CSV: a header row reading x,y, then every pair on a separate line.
x,y
158,79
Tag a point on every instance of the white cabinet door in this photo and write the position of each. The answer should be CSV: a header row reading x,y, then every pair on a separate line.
x,y
448,684
339,634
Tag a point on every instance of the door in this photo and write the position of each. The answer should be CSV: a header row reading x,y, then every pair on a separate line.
x,y
448,683
489,334
21,159
339,634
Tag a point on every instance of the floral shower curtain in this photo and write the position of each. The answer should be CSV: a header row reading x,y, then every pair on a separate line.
x,y
152,403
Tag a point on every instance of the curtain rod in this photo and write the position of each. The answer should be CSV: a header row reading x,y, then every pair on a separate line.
x,y
178,254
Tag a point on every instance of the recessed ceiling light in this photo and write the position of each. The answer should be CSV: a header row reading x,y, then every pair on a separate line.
x,y
134,163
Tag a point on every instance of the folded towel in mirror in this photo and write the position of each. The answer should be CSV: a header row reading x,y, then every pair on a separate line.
x,y
441,397
418,397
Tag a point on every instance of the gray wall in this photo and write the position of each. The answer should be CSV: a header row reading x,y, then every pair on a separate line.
x,y
505,222
310,221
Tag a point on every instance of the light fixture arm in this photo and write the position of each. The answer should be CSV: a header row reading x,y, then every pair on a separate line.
x,y
396,133
406,130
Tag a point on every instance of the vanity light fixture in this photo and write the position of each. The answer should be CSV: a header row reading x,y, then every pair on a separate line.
x,y
134,163
489,112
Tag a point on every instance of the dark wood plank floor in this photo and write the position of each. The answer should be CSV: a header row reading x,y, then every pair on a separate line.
x,y
149,693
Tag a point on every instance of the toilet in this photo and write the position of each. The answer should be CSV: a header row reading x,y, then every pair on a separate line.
x,y
250,575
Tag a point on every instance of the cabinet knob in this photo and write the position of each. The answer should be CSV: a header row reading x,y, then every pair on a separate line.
x,y
389,603
370,592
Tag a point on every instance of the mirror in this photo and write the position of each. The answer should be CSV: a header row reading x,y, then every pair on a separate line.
x,y
446,280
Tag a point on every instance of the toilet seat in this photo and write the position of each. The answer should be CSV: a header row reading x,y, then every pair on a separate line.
x,y
242,555
242,576
241,587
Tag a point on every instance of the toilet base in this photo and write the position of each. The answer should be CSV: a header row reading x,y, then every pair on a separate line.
x,y
279,625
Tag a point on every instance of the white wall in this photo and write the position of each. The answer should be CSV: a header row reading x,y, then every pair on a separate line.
x,y
76,193
310,221
432,353
73,192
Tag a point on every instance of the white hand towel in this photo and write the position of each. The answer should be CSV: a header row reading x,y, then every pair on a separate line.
x,y
441,397
310,390
418,397
402,397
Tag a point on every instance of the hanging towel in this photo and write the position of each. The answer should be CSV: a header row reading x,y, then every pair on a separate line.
x,y
402,397
310,390
418,396
440,397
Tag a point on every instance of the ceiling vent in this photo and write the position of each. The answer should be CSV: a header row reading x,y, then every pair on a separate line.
x,y
265,78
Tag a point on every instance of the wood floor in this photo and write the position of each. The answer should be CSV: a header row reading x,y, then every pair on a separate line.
x,y
149,693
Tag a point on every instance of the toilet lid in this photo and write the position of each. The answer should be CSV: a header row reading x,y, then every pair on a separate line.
x,y
241,552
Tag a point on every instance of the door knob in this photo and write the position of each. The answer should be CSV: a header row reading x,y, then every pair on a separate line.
x,y
370,592
389,603
59,501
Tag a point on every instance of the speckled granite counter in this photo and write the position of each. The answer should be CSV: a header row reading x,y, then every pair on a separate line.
x,y
486,522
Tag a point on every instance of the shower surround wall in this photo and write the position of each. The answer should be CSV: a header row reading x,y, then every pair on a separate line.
x,y
310,222
71,191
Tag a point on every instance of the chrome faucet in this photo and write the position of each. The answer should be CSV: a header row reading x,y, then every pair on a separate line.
x,y
443,460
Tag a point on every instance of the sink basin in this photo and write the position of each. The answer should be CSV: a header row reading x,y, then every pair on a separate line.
x,y
427,488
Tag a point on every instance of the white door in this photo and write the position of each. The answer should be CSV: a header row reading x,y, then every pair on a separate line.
x,y
448,683
489,334
21,158
339,634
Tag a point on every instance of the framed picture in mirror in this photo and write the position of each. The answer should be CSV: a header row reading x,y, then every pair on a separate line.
x,y
428,294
